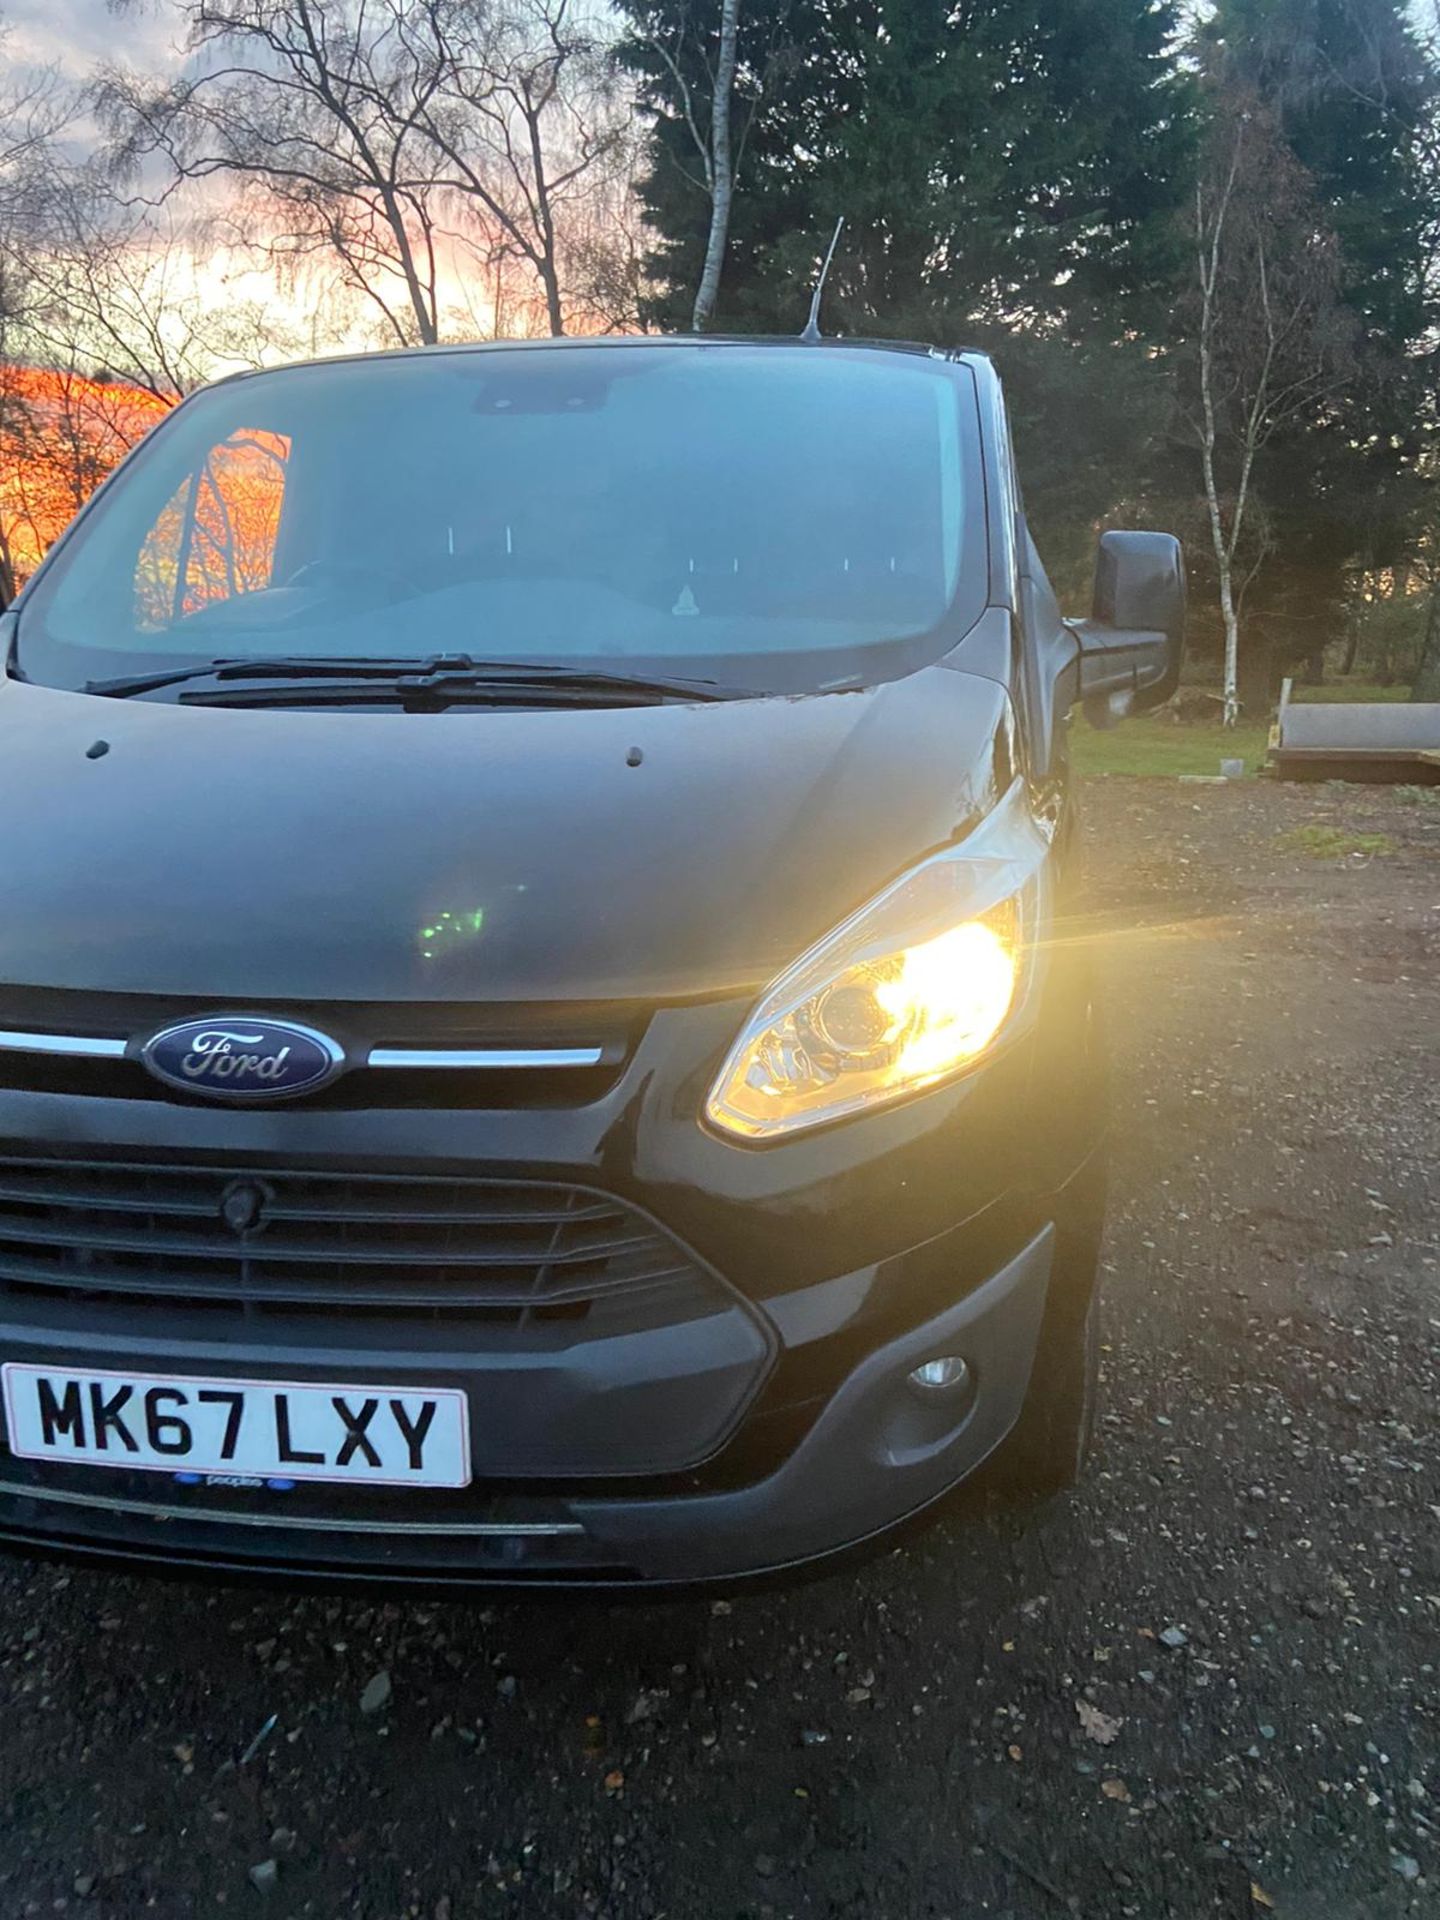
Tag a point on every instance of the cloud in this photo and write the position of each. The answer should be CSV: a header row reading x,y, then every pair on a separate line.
x,y
77,34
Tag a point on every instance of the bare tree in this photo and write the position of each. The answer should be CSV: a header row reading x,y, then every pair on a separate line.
x,y
1269,340
34,110
313,106
17,431
414,143
61,432
605,247
524,123
114,287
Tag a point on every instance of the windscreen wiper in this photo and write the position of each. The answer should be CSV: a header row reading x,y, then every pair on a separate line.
x,y
282,667
440,677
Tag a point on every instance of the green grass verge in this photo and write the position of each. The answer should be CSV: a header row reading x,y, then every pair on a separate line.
x,y
1146,745
1149,745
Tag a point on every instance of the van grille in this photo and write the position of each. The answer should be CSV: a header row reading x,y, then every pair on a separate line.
x,y
248,1237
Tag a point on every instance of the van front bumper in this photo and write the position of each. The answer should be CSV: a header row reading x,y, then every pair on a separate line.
x,y
879,1451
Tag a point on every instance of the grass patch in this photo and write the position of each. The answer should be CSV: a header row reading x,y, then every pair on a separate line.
x,y
1339,691
1151,745
1333,843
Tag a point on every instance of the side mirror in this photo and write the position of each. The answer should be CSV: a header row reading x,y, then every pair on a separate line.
x,y
1132,646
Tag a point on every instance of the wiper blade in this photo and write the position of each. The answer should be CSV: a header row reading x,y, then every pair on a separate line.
x,y
431,692
273,667
441,676
450,682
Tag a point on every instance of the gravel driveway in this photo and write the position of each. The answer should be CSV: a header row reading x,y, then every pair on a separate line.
x,y
1208,1684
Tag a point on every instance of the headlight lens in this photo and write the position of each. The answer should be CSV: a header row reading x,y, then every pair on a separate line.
x,y
910,991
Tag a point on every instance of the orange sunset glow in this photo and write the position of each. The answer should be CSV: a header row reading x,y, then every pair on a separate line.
x,y
60,434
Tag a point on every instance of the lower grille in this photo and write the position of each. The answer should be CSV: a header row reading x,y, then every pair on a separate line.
x,y
514,1538
263,1240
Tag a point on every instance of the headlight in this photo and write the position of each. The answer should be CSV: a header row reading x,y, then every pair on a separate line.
x,y
911,990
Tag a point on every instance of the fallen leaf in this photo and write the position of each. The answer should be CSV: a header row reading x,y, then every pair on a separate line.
x,y
1016,1753
614,1781
1259,1895
1098,1726
1115,1790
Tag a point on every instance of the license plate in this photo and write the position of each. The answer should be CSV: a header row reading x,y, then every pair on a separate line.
x,y
240,1429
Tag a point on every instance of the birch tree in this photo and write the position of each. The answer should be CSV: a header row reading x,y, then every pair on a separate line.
x,y
1270,340
717,158
688,54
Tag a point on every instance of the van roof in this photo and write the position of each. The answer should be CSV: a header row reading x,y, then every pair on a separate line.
x,y
618,342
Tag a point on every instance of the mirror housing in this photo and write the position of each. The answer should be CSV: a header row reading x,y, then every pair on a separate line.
x,y
1133,644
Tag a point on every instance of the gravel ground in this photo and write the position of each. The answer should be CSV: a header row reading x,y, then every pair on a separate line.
x,y
1206,1684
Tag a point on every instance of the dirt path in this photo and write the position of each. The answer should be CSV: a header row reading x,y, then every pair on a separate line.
x,y
1244,1601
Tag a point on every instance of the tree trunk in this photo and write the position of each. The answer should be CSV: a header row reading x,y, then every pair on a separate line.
x,y
1223,548
1231,713
722,168
554,312
548,265
1427,674
419,306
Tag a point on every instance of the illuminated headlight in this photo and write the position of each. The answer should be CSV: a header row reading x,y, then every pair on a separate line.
x,y
912,990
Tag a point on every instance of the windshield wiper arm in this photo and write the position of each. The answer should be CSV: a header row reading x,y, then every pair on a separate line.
x,y
440,674
275,667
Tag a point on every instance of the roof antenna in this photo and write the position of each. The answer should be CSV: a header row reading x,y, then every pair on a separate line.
x,y
812,325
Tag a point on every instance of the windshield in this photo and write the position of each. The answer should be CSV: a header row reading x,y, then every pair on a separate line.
x,y
769,517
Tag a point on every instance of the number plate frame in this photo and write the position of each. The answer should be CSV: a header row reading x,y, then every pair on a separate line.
x,y
288,1429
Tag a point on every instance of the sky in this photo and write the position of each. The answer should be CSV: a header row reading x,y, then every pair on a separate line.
x,y
74,34
77,33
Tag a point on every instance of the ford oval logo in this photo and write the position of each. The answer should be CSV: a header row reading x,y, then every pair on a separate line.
x,y
239,1058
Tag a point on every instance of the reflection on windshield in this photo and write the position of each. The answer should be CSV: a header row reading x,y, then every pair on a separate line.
x,y
215,538
447,930
587,504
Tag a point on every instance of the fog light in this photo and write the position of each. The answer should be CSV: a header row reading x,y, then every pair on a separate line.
x,y
945,1375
